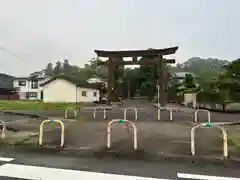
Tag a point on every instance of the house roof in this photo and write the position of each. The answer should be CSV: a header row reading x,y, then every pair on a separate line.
x,y
28,77
72,80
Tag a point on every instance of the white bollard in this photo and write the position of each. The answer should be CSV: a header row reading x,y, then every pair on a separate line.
x,y
40,142
224,136
121,121
66,112
159,113
104,113
3,135
131,108
203,110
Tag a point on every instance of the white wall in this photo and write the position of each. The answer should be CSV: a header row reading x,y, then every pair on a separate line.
x,y
59,90
190,98
89,95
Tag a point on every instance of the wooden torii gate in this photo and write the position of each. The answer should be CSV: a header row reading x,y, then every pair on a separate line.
x,y
153,56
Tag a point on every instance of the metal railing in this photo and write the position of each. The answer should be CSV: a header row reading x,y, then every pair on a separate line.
x,y
224,137
104,112
70,109
51,121
131,108
121,121
202,110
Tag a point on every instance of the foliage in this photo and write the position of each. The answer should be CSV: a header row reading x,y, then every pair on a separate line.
x,y
225,88
205,68
189,81
142,81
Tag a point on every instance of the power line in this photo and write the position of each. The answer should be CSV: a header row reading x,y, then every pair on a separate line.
x,y
13,54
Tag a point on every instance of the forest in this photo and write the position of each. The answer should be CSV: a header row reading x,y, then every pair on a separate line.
x,y
214,80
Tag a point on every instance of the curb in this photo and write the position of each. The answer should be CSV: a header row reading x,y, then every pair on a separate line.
x,y
176,110
131,155
24,114
214,110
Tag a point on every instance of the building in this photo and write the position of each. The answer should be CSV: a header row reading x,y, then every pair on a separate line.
x,y
28,87
62,89
7,92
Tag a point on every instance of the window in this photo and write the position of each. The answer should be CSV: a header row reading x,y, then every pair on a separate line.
x,y
32,94
95,94
22,83
34,84
84,93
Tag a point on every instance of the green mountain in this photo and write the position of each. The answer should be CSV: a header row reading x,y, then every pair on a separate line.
x,y
202,67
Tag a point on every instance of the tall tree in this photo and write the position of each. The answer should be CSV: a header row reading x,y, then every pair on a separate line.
x,y
189,81
58,68
66,66
49,71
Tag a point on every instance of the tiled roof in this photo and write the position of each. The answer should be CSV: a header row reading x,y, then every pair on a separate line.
x,y
72,80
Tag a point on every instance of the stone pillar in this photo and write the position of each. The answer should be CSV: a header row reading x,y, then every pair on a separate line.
x,y
109,84
161,80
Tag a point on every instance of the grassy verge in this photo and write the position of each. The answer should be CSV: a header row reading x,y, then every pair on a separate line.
x,y
234,141
34,105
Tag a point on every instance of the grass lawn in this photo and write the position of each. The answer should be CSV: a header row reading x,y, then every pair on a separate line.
x,y
34,105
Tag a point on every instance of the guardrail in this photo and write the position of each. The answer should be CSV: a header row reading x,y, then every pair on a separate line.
x,y
104,112
121,121
67,110
209,125
51,121
202,110
3,129
131,108
159,114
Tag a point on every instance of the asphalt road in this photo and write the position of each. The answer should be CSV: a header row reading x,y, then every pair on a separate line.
x,y
48,167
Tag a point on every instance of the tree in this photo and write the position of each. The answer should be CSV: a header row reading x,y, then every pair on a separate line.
x,y
49,70
58,68
189,81
232,78
66,66
202,67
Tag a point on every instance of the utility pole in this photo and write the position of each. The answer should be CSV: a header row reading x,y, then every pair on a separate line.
x,y
158,101
158,95
129,88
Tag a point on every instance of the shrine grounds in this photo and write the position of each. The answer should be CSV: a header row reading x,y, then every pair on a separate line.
x,y
157,137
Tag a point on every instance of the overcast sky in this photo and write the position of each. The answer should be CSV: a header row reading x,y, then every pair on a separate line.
x,y
42,31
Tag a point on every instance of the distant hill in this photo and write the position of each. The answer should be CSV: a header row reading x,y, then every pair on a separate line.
x,y
202,67
6,81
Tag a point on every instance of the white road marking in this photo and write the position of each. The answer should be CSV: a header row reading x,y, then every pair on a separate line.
x,y
195,176
6,159
45,173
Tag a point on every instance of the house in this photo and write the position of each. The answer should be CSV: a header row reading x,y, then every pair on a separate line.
x,y
28,87
64,89
7,92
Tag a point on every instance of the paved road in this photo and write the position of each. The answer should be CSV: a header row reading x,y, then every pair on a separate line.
x,y
49,167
